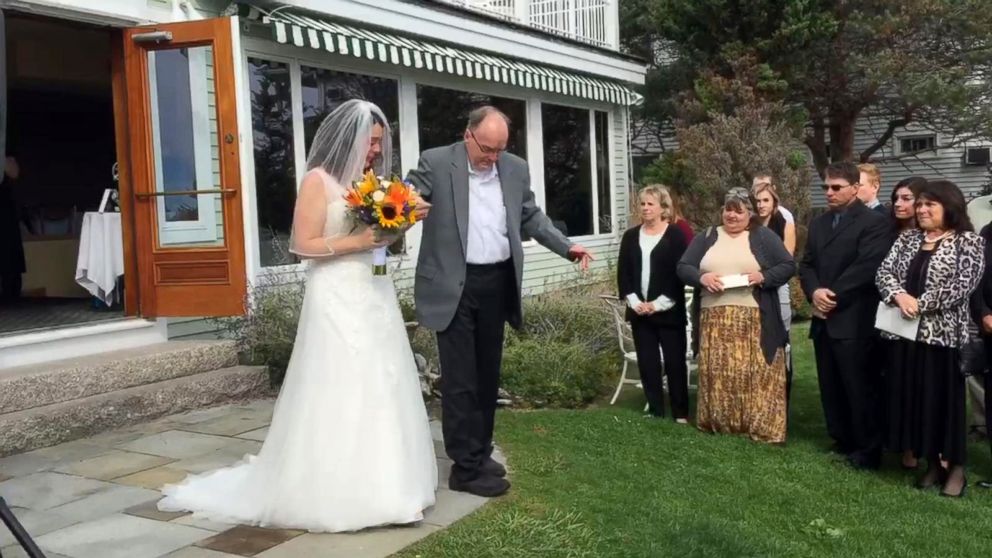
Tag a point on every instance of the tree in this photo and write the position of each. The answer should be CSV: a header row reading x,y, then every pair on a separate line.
x,y
719,149
921,62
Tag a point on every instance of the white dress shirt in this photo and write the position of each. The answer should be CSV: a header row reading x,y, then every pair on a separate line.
x,y
487,239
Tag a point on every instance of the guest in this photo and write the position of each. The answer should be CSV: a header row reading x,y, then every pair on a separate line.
x,y
837,272
869,183
767,204
930,274
646,269
11,246
679,220
903,218
765,179
741,334
903,213
981,303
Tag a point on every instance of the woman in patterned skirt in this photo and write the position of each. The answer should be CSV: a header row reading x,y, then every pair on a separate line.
x,y
737,268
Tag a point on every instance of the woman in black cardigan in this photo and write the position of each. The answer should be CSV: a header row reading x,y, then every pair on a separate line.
x,y
655,297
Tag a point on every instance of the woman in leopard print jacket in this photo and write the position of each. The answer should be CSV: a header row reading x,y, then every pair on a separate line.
x,y
930,274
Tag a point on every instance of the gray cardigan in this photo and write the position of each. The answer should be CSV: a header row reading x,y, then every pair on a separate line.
x,y
777,266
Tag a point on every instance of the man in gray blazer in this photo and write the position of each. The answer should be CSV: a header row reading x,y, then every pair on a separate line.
x,y
468,281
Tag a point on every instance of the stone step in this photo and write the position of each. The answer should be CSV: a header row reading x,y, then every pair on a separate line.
x,y
38,385
68,420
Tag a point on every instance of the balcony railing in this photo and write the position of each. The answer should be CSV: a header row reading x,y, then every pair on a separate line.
x,y
589,21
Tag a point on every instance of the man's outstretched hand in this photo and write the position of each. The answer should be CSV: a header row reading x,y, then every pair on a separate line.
x,y
578,253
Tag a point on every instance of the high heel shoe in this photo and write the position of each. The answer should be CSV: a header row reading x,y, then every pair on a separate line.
x,y
959,494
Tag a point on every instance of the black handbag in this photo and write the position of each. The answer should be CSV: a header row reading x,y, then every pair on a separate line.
x,y
971,357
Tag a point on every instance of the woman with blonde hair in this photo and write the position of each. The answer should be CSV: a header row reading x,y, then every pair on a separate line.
x,y
739,267
655,297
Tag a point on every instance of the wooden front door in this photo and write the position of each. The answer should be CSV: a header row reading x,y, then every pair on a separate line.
x,y
183,134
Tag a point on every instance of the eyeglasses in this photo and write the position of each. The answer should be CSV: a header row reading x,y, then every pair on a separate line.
x,y
485,149
837,187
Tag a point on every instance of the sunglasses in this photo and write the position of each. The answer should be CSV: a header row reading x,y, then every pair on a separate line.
x,y
837,187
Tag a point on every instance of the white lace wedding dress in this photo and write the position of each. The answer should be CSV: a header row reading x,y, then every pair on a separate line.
x,y
350,445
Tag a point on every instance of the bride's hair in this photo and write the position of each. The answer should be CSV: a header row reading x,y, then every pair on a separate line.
x,y
342,142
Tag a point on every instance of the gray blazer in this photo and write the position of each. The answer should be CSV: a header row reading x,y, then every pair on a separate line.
x,y
442,179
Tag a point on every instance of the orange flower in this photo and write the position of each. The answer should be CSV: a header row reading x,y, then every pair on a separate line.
x,y
354,198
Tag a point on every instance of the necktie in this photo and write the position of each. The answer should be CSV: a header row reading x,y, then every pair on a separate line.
x,y
836,220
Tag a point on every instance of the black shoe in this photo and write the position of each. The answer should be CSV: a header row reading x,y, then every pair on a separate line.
x,y
492,468
482,485
984,484
839,448
864,462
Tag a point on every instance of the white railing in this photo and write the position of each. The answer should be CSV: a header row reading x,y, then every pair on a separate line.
x,y
590,21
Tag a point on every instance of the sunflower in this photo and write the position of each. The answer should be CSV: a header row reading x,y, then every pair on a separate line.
x,y
390,216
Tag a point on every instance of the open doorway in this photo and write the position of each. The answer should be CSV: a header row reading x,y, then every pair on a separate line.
x,y
60,258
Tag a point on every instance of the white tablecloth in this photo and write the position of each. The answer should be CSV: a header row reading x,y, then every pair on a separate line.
x,y
101,255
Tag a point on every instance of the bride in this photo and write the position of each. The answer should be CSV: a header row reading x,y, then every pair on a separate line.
x,y
349,446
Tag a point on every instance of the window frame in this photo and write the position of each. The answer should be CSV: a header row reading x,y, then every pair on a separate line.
x,y
930,138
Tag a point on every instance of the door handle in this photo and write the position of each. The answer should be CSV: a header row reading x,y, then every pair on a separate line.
x,y
221,191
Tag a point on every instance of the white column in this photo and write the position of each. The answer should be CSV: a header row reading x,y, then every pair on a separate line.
x,y
612,24
521,11
535,150
409,149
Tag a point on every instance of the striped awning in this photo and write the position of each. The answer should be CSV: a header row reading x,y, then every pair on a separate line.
x,y
348,40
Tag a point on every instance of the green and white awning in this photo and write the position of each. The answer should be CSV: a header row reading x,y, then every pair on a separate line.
x,y
348,40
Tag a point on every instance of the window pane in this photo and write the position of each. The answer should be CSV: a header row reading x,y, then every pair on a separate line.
x,y
567,168
323,90
604,184
443,113
275,174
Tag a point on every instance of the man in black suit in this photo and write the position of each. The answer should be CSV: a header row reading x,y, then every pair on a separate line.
x,y
845,247
981,305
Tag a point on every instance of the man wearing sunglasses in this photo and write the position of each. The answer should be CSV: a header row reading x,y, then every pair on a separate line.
x,y
469,280
846,245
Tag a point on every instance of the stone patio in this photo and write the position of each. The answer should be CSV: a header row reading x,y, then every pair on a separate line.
x,y
96,497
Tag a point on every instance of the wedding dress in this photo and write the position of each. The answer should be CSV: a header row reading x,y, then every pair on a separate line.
x,y
349,446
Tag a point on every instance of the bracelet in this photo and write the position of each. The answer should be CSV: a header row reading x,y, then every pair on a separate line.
x,y
327,243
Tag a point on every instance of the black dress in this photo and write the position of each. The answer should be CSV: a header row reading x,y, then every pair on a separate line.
x,y
925,392
11,246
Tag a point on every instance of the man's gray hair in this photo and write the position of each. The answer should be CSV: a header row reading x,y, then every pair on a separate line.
x,y
478,115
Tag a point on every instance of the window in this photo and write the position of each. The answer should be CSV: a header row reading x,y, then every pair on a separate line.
x,y
323,90
917,143
577,169
443,113
275,175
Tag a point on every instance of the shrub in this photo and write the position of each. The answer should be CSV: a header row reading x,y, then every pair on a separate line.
x,y
567,350
267,332
801,308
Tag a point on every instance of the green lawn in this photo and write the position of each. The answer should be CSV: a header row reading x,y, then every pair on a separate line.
x,y
608,482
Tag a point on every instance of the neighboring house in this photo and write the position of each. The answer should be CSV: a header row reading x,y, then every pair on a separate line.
x,y
204,110
912,151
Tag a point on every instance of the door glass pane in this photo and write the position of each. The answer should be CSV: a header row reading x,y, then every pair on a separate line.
x,y
186,147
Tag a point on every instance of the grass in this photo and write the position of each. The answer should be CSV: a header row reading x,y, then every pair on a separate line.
x,y
607,482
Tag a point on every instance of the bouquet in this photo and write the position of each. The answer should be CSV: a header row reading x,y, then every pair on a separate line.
x,y
385,205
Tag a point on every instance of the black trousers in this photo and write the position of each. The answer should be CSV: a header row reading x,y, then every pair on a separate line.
x,y
988,405
470,351
647,338
847,391
10,286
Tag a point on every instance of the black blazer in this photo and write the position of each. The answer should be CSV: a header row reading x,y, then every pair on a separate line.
x,y
981,299
663,281
845,261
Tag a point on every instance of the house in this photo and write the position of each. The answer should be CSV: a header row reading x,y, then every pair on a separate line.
x,y
197,115
912,151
